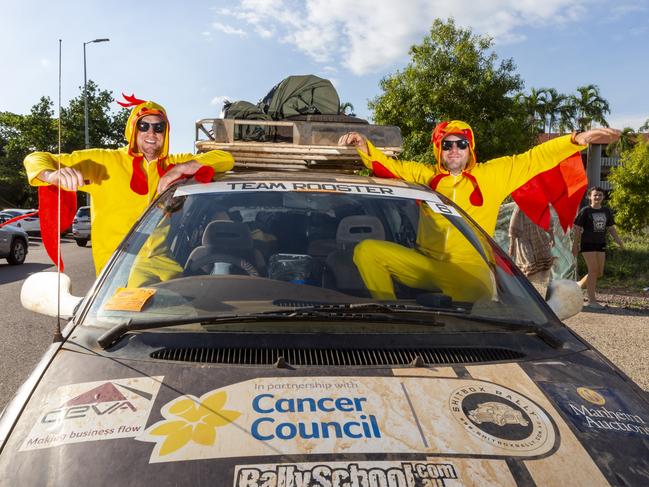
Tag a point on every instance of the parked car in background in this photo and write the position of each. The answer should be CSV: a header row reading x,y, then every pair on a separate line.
x,y
31,224
81,226
230,340
14,244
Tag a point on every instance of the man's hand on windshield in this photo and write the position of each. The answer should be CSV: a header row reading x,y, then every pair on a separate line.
x,y
597,136
177,172
66,177
354,138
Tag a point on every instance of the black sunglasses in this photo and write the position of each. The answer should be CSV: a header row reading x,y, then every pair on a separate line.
x,y
460,144
158,127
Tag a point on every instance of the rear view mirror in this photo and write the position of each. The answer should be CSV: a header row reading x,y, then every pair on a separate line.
x,y
39,294
565,298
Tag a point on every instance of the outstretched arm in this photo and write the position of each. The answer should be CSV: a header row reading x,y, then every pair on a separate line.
x,y
384,166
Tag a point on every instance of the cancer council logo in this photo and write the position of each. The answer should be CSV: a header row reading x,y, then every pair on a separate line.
x,y
190,419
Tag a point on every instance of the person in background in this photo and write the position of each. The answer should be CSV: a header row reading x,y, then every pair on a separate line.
x,y
530,247
591,225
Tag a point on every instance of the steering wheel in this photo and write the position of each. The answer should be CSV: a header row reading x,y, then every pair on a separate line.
x,y
205,263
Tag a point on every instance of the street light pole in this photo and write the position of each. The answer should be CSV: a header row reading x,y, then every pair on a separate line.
x,y
85,93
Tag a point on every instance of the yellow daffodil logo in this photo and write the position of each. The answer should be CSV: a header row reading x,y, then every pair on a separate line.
x,y
191,419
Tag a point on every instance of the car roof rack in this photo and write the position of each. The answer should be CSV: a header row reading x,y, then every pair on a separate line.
x,y
293,145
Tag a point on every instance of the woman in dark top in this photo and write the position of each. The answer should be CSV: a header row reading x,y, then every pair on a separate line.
x,y
591,225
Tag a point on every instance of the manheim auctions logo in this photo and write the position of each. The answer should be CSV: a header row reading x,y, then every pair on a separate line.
x,y
501,417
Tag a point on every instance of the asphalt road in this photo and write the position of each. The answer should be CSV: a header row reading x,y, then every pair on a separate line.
x,y
620,335
25,335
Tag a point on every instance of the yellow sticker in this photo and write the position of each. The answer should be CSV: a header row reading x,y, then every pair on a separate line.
x,y
129,299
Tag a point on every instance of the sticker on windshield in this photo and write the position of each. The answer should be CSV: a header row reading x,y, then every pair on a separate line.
x,y
442,208
357,415
129,299
93,411
380,189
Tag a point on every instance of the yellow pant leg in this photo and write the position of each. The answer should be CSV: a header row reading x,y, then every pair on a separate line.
x,y
379,262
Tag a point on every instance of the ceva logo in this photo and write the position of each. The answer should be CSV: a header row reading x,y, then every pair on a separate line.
x,y
103,400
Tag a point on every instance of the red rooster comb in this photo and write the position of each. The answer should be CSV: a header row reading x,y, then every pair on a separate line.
x,y
131,101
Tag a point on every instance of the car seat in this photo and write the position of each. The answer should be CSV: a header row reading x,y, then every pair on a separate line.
x,y
226,242
351,230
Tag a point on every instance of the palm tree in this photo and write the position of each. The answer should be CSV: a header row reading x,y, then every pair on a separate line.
x,y
553,102
644,127
624,143
534,104
591,107
567,114
344,107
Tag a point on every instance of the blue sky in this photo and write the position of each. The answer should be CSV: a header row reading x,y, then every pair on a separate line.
x,y
190,55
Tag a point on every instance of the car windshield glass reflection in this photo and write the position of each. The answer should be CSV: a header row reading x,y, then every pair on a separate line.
x,y
221,252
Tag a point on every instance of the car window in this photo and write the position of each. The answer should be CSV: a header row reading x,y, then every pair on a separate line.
x,y
83,212
229,250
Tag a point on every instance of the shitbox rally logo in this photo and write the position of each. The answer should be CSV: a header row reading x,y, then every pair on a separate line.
x,y
501,417
93,411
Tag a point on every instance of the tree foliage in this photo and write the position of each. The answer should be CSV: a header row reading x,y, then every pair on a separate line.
x,y
38,131
453,74
631,180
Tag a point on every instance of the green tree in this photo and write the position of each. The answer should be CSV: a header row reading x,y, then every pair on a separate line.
x,y
625,143
535,106
453,74
590,107
644,127
567,113
553,104
630,181
38,131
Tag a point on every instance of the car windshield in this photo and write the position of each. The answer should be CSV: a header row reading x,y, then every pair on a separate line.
x,y
240,248
83,212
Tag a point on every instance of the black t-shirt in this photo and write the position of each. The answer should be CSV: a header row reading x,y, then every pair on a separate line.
x,y
594,222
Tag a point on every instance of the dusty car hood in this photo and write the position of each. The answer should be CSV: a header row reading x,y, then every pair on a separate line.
x,y
98,421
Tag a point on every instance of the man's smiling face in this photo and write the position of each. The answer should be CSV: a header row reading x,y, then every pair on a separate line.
x,y
454,158
150,142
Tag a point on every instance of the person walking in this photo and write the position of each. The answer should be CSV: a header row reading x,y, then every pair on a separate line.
x,y
591,225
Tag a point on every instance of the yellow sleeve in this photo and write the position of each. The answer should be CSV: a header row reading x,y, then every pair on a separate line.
x,y
511,172
219,160
414,172
91,162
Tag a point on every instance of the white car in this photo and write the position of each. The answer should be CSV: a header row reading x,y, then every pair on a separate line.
x,y
31,225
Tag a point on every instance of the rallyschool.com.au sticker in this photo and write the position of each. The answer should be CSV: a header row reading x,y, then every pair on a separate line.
x,y
375,474
600,410
502,417
93,411
317,415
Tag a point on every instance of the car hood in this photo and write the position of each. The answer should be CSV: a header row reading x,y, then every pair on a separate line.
x,y
96,420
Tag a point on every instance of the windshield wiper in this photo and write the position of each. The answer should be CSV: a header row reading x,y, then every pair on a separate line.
x,y
356,311
518,325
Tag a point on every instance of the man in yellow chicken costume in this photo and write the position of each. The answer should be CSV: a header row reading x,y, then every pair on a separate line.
x,y
452,264
122,182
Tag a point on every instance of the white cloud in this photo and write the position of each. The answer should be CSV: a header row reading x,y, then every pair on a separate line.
x,y
368,35
228,29
45,63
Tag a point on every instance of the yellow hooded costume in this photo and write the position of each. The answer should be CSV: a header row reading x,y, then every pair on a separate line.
x,y
479,190
122,182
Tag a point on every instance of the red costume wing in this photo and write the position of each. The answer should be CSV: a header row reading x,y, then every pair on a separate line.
x,y
48,209
563,187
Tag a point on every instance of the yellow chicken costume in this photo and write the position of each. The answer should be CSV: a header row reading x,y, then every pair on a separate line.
x,y
450,263
121,181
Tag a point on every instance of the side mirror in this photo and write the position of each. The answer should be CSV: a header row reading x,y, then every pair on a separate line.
x,y
39,294
565,298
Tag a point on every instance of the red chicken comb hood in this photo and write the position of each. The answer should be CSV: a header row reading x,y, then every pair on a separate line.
x,y
141,109
454,127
